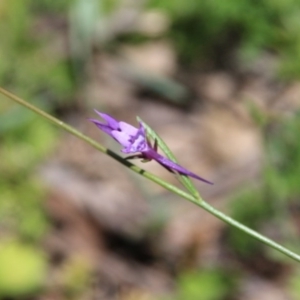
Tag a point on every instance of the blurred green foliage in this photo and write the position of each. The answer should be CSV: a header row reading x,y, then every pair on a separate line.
x,y
283,159
22,218
207,284
21,193
294,284
22,269
31,68
76,277
252,209
35,64
273,204
28,64
213,29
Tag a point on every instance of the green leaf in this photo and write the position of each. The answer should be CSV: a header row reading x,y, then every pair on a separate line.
x,y
185,180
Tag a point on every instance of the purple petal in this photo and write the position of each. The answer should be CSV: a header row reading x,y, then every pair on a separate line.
x,y
129,129
142,129
138,142
111,122
139,145
122,137
107,129
173,166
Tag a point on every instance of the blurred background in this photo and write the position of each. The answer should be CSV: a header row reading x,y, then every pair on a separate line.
x,y
220,82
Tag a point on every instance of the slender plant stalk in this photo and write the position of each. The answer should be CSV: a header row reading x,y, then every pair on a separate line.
x,y
192,198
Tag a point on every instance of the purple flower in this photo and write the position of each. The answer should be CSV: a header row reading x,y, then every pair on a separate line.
x,y
134,140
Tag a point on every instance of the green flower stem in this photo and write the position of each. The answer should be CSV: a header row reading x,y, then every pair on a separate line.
x,y
192,198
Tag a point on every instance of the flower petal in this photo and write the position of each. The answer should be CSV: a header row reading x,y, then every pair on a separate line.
x,y
129,129
173,166
138,143
111,122
122,137
107,129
